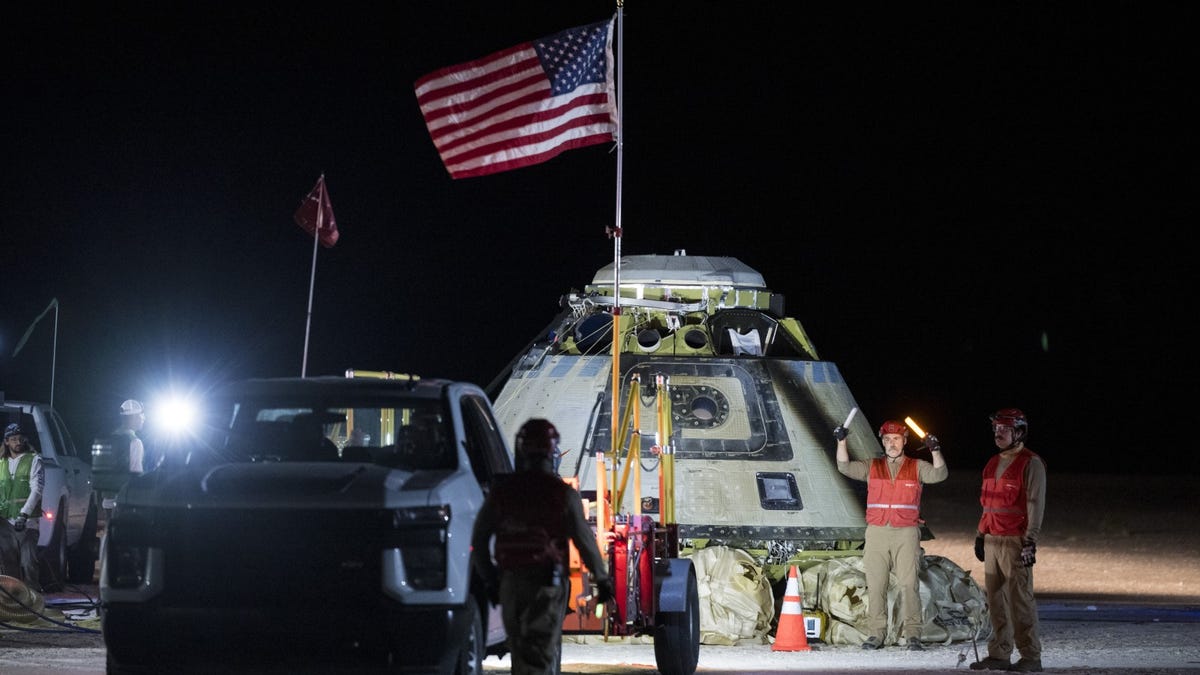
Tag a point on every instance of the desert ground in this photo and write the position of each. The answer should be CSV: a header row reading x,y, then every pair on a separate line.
x,y
1105,538
1107,542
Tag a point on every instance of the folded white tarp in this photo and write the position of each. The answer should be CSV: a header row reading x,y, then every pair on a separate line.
x,y
737,603
953,605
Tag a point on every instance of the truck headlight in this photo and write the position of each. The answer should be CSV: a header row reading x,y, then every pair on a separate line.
x,y
420,535
127,566
128,551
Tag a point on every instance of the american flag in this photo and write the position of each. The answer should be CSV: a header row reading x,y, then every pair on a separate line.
x,y
523,105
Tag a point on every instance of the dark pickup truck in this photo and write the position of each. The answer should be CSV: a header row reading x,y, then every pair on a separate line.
x,y
317,523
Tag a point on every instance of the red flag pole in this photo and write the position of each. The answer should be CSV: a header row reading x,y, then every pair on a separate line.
x,y
313,276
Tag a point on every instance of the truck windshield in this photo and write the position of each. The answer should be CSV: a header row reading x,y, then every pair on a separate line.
x,y
415,436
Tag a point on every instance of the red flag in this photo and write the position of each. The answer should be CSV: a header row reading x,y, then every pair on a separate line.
x,y
523,105
316,213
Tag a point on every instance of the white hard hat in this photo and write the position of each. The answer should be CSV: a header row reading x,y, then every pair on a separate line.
x,y
131,407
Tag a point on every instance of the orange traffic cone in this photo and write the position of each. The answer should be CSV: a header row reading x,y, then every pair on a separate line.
x,y
790,636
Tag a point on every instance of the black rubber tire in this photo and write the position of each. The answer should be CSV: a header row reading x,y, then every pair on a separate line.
x,y
470,657
81,558
558,657
52,557
111,667
677,635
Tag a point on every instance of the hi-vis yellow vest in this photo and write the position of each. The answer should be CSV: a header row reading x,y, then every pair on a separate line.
x,y
14,487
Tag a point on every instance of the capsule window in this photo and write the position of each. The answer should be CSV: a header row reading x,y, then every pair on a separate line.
x,y
778,491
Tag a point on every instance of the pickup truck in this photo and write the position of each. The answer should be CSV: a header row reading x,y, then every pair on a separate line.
x,y
67,540
315,524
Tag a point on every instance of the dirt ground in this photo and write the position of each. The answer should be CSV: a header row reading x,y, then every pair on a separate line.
x,y
1106,539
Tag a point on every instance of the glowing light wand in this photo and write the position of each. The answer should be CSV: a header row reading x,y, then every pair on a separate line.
x,y
913,425
853,412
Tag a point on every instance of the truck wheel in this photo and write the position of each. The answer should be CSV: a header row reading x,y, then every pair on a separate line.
x,y
52,558
558,656
81,558
112,667
677,635
470,657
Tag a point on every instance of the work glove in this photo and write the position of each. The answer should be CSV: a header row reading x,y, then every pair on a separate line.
x,y
605,591
979,548
19,522
932,443
840,432
1029,553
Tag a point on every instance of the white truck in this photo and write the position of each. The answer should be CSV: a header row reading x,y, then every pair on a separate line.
x,y
67,540
317,524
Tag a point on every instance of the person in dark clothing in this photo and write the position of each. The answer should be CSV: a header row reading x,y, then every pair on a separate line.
x,y
121,455
133,418
532,514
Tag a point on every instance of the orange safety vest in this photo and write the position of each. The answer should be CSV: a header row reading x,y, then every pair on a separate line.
x,y
895,502
1004,498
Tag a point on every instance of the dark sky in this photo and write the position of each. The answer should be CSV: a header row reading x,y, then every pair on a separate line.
x,y
967,206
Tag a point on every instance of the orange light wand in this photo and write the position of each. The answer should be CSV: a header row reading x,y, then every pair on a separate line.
x,y
913,425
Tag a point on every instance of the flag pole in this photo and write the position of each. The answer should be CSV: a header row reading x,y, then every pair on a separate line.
x,y
313,276
616,236
54,354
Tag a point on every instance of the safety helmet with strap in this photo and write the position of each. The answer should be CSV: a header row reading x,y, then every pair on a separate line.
x,y
1014,419
537,440
894,427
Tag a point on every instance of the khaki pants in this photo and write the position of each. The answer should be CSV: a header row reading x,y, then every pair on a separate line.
x,y
892,550
1011,605
533,614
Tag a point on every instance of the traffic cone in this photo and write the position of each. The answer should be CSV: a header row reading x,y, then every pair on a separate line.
x,y
791,636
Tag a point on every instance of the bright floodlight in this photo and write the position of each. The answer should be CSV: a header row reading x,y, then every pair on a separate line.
x,y
176,415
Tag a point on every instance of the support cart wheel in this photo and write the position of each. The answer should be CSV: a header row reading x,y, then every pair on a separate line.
x,y
677,634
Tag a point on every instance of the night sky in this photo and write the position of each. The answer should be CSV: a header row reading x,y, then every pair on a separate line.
x,y
967,206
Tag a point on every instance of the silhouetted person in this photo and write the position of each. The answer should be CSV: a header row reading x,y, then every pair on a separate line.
x,y
532,514
122,454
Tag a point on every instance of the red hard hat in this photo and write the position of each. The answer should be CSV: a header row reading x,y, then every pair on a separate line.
x,y
537,437
893,427
1009,417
